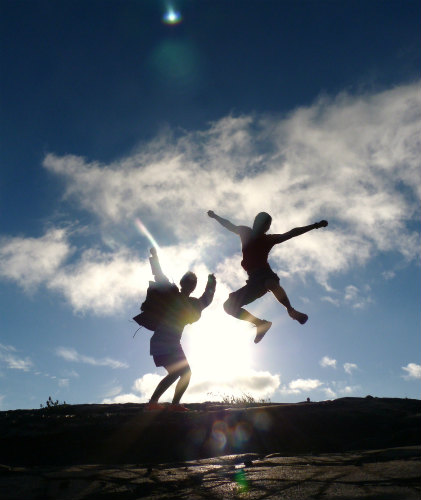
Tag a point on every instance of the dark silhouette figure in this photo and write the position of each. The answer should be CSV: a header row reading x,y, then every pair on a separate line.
x,y
165,346
256,245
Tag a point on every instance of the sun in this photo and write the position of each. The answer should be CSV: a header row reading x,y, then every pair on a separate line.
x,y
220,347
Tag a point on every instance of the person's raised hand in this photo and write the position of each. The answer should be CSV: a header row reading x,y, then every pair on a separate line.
x,y
211,214
322,223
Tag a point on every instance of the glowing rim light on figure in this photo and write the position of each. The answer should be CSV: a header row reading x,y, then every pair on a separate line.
x,y
172,16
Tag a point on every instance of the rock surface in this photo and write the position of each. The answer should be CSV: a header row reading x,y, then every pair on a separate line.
x,y
392,474
348,448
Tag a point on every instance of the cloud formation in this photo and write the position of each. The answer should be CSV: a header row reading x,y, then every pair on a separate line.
x,y
326,361
300,385
32,261
12,360
350,367
260,385
70,354
413,371
350,159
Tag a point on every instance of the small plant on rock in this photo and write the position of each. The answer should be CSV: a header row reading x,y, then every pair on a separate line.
x,y
50,403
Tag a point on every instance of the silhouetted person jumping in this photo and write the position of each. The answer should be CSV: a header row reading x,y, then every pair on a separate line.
x,y
256,245
165,345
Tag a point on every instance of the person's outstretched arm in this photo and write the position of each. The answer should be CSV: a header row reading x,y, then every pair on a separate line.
x,y
156,267
297,231
224,222
209,292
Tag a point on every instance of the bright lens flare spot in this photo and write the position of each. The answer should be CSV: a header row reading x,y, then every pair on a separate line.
x,y
241,480
172,16
144,230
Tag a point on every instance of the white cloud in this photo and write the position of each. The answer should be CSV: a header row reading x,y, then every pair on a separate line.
x,y
388,275
330,393
124,398
7,348
12,361
352,160
257,384
350,367
30,261
413,371
15,363
70,354
301,385
101,282
356,298
331,300
328,362
348,389
352,296
146,384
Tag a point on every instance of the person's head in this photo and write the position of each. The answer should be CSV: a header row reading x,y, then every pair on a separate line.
x,y
188,282
262,223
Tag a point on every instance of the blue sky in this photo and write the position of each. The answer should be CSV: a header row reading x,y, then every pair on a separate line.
x,y
111,119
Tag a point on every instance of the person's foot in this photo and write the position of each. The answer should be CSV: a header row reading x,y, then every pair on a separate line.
x,y
153,406
300,317
178,407
261,330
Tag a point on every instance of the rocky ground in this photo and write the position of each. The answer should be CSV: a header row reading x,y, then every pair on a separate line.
x,y
348,448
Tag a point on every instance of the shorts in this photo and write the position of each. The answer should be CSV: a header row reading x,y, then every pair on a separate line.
x,y
255,287
176,357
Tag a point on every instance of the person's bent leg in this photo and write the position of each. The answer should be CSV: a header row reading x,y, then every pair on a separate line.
x,y
163,385
233,305
243,296
282,297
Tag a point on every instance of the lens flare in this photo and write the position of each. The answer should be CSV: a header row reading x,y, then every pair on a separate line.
x,y
144,230
241,480
172,16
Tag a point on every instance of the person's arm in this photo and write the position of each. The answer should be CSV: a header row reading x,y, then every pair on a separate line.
x,y
224,222
298,231
156,268
209,292
193,313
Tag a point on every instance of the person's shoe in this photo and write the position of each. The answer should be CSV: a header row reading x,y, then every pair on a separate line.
x,y
152,406
178,407
300,317
261,330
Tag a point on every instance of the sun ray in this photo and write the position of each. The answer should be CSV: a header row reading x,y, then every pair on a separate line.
x,y
144,230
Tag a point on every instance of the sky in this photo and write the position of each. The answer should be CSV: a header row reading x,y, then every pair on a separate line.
x,y
118,116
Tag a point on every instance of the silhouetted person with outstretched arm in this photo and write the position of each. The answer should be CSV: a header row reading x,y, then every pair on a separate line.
x,y
165,345
256,245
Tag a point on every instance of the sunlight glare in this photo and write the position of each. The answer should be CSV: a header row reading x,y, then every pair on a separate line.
x,y
172,16
220,347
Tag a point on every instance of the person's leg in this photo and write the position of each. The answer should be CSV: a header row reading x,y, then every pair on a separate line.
x,y
179,369
241,297
182,384
163,385
280,294
233,305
